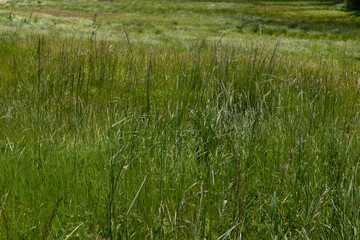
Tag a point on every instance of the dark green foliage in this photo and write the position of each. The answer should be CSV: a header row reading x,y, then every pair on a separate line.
x,y
353,4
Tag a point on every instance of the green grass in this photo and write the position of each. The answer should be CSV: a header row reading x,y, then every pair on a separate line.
x,y
174,20
306,34
150,125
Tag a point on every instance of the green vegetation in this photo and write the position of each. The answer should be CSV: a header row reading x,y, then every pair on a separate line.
x,y
179,120
353,4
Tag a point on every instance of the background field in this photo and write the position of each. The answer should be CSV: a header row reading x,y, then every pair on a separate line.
x,y
179,120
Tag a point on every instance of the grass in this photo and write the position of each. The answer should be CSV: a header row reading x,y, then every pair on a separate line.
x,y
174,20
161,133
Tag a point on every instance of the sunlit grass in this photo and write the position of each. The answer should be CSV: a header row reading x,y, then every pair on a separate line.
x,y
178,120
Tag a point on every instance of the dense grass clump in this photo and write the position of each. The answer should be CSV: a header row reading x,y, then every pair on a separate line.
x,y
113,140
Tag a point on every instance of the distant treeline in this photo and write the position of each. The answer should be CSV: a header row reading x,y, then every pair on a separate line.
x,y
353,4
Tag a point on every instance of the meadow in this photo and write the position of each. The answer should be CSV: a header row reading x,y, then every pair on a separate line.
x,y
179,120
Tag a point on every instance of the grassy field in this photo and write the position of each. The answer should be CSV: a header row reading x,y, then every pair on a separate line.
x,y
179,120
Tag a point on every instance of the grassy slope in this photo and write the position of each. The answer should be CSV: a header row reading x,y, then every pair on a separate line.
x,y
172,22
209,137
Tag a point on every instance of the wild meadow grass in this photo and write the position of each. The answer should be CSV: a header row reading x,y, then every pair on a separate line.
x,y
169,21
179,120
118,141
